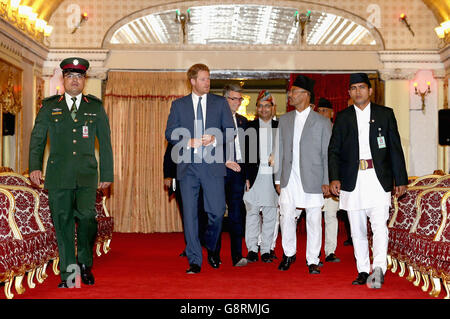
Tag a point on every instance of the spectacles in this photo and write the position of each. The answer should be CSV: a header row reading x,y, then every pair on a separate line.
x,y
74,76
236,99
267,106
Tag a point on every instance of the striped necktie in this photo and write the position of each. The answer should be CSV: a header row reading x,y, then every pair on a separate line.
x,y
73,109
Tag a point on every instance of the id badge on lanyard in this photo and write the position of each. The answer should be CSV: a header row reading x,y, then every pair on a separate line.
x,y
85,131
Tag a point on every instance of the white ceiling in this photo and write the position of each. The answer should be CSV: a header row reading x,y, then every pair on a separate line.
x,y
243,25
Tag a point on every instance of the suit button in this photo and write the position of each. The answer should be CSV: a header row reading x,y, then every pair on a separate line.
x,y
76,120
74,141
74,153
56,120
74,130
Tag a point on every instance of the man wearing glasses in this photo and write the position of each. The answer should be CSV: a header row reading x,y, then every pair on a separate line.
x,y
235,177
72,121
301,172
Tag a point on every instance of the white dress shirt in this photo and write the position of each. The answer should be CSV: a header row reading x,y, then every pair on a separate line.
x,y
69,100
237,146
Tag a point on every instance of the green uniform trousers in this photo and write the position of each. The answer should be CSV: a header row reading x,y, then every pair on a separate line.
x,y
74,209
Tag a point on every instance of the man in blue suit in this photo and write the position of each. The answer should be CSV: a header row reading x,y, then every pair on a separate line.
x,y
198,126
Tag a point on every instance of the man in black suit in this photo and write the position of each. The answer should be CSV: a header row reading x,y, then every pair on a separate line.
x,y
366,163
235,178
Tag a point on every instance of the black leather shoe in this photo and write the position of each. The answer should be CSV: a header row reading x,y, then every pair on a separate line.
x,y
314,269
183,254
332,258
361,279
348,242
266,258
193,269
213,259
272,254
87,277
63,284
286,262
252,256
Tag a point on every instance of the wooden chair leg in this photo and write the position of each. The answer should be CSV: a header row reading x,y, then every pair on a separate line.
x,y
394,265
447,288
426,282
411,273
436,284
18,284
7,288
55,266
418,277
402,268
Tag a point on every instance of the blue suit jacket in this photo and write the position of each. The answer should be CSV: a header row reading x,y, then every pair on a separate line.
x,y
180,128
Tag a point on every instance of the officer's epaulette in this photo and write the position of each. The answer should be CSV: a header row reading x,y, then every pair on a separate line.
x,y
92,97
53,97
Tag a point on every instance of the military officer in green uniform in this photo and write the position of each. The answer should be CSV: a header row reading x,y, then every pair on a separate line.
x,y
72,121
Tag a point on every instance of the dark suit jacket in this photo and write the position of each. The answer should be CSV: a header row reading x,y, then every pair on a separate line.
x,y
180,129
169,166
252,167
343,150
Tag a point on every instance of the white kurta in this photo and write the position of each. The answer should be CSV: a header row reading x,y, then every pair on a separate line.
x,y
294,192
262,192
368,192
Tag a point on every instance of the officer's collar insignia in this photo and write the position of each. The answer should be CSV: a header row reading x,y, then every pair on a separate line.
x,y
60,98
85,99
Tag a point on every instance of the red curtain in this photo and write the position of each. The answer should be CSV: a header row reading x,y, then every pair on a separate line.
x,y
333,87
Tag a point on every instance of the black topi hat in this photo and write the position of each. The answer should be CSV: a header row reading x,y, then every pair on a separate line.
x,y
359,78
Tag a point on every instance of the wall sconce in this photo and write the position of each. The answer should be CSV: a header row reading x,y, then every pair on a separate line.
x,y
183,19
443,33
303,19
24,12
422,94
403,19
23,18
83,18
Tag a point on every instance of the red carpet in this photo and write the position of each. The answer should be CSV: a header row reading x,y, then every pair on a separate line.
x,y
147,266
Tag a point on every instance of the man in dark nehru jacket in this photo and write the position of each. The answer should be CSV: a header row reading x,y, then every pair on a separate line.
x,y
72,121
366,163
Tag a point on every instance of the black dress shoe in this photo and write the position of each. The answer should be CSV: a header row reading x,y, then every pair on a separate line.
x,y
332,258
314,269
286,262
266,258
87,277
63,284
193,269
183,254
252,256
272,254
213,259
361,279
